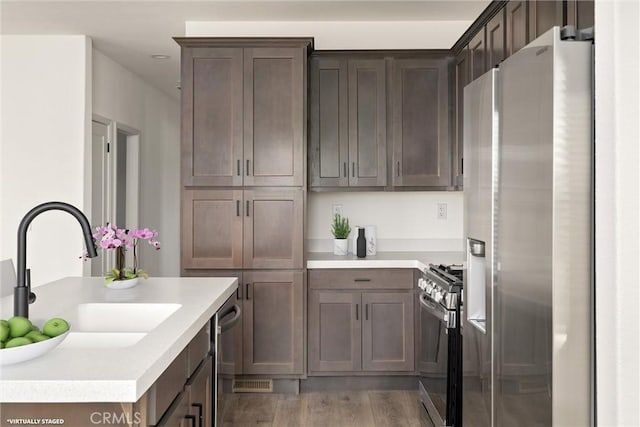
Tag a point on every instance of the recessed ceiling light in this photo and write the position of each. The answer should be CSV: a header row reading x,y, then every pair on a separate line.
x,y
160,56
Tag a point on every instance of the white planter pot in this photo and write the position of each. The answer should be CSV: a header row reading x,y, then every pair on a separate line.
x,y
340,246
123,284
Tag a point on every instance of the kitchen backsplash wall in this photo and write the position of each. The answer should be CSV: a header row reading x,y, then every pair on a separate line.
x,y
405,221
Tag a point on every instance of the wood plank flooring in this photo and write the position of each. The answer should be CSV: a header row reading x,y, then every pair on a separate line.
x,y
326,409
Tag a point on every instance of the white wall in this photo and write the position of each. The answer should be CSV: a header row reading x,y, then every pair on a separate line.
x,y
617,212
405,221
120,95
343,34
45,106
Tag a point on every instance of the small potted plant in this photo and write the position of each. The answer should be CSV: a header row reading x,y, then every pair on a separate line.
x,y
340,230
112,238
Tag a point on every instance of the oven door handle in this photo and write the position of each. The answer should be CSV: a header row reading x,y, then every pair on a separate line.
x,y
225,326
433,308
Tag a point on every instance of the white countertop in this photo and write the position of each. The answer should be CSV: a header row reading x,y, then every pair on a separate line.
x,y
72,374
419,260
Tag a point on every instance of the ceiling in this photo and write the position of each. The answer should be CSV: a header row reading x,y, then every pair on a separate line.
x,y
131,31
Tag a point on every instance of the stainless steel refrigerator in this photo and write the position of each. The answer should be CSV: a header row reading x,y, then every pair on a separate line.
x,y
528,196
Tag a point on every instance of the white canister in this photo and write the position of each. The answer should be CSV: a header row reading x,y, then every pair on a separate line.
x,y
370,236
354,239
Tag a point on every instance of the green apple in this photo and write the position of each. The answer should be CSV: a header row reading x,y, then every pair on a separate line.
x,y
1,344
17,342
4,332
55,327
34,328
36,336
19,326
4,322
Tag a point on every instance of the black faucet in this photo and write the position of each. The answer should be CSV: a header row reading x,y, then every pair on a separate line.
x,y
22,295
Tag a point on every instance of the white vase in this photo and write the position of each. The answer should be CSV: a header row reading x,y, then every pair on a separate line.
x,y
340,246
123,284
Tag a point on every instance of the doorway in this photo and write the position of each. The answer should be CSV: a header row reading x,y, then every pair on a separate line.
x,y
114,181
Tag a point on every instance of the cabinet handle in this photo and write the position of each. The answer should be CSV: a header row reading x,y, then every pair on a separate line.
x,y
200,417
238,167
192,418
363,279
353,169
247,208
356,311
246,291
344,169
237,207
462,166
247,167
366,312
398,168
238,296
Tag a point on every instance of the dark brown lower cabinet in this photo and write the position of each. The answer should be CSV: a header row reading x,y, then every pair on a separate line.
x,y
360,331
387,332
273,308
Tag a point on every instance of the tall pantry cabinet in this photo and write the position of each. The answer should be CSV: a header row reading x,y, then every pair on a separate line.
x,y
243,151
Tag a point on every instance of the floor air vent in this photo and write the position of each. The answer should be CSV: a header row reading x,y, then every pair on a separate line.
x,y
252,386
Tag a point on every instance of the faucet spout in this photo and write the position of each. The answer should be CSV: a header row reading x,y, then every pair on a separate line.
x,y
22,292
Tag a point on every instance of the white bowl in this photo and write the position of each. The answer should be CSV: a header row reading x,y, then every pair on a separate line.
x,y
123,284
9,356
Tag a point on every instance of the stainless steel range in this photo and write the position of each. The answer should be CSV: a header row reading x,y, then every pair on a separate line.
x,y
441,374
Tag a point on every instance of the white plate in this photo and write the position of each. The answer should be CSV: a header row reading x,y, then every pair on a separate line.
x,y
9,356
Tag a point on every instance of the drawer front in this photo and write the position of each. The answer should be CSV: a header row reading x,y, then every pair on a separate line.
x,y
197,350
361,278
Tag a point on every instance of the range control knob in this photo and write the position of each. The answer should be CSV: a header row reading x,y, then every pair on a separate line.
x,y
422,284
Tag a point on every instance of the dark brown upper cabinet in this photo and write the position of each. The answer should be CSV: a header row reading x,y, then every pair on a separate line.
x,y
420,117
348,134
274,99
496,35
543,15
517,25
329,123
461,74
212,116
580,13
243,112
261,228
478,54
367,122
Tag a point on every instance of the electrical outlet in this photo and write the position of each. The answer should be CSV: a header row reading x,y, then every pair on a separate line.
x,y
442,211
336,210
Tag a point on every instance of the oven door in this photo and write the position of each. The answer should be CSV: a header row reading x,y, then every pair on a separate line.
x,y
226,321
434,360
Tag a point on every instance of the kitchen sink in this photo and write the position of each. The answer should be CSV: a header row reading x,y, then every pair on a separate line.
x,y
119,317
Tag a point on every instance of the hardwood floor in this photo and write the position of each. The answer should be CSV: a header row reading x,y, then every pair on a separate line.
x,y
326,409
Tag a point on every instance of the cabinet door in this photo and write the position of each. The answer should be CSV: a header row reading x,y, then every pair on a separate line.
x,y
273,228
496,34
199,389
328,123
542,16
211,229
462,78
421,150
335,342
211,116
580,13
387,332
517,25
367,123
478,55
274,123
273,322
